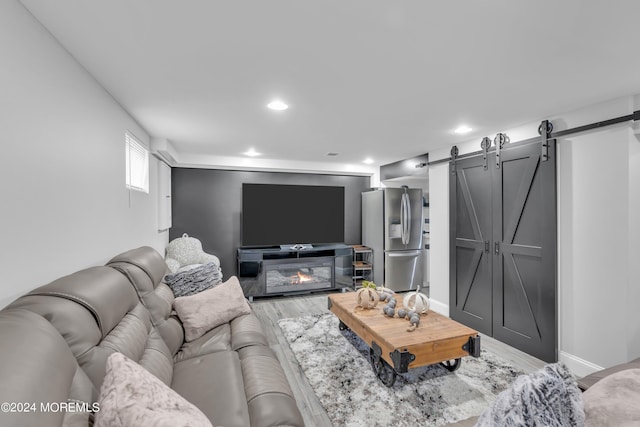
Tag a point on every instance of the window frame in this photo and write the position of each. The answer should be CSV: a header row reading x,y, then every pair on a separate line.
x,y
136,164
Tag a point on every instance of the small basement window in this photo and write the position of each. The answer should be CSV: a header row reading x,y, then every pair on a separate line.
x,y
137,164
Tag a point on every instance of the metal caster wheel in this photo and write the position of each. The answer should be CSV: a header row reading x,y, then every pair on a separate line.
x,y
385,373
342,326
452,365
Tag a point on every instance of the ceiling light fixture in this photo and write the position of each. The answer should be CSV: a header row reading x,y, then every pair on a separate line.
x,y
277,105
462,129
368,160
251,153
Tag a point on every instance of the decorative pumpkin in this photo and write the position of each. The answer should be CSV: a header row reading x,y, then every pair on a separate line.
x,y
368,284
367,297
416,301
384,289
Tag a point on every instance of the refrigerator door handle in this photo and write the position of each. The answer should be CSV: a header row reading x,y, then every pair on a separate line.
x,y
405,198
408,210
403,254
402,222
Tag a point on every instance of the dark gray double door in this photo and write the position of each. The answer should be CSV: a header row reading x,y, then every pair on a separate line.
x,y
503,247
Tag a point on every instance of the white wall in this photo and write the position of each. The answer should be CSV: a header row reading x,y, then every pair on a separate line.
x,y
598,235
633,290
64,202
439,230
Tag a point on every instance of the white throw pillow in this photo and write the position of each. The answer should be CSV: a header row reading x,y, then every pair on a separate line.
x,y
130,396
205,310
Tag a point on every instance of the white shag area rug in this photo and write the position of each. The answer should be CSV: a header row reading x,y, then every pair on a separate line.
x,y
336,363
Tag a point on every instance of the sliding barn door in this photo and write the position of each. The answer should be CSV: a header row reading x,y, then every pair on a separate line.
x,y
524,270
503,247
471,227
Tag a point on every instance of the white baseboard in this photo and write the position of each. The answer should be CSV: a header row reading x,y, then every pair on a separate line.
x,y
578,366
439,307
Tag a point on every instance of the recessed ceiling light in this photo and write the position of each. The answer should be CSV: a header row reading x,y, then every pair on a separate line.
x,y
277,105
332,154
462,129
251,153
368,160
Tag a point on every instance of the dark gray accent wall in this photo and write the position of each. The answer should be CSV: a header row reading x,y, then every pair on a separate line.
x,y
207,204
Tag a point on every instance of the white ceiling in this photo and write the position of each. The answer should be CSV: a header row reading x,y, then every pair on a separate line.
x,y
365,78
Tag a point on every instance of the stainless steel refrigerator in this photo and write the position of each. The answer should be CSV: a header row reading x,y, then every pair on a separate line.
x,y
392,224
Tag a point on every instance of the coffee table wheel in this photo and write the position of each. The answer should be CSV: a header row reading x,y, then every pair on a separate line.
x,y
452,365
382,369
342,326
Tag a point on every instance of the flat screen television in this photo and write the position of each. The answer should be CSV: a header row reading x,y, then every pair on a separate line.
x,y
275,214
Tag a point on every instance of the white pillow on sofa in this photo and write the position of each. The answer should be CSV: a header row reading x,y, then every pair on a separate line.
x,y
130,396
205,310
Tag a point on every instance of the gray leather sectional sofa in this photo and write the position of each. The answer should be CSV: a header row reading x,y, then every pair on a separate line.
x,y
55,340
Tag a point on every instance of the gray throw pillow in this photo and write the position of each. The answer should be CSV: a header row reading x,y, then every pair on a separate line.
x,y
202,312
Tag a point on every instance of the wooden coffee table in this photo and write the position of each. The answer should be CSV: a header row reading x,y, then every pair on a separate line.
x,y
394,350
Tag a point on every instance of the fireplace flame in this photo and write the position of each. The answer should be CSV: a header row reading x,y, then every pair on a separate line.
x,y
300,278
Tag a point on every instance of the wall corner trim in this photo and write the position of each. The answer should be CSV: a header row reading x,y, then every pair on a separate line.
x,y
577,365
439,307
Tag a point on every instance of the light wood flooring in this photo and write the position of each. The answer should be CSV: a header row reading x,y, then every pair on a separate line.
x,y
270,310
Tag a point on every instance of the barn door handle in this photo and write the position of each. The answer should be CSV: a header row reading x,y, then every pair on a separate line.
x,y
486,246
496,248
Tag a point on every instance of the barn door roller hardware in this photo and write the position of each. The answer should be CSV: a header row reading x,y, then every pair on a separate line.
x,y
549,135
454,156
485,145
499,142
544,130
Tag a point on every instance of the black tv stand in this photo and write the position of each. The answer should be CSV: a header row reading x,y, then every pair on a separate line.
x,y
294,269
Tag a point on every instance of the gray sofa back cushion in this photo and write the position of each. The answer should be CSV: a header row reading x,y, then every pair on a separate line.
x,y
97,312
38,368
144,267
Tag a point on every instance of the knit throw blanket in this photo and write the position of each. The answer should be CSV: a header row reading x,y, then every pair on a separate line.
x,y
549,397
198,279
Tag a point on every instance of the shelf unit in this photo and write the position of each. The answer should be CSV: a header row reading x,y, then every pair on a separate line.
x,y
362,265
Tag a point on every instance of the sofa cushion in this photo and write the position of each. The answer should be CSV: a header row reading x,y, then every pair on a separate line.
x,y
247,330
588,381
145,258
613,401
213,307
269,396
214,383
131,397
108,302
97,312
38,368
217,339
144,267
